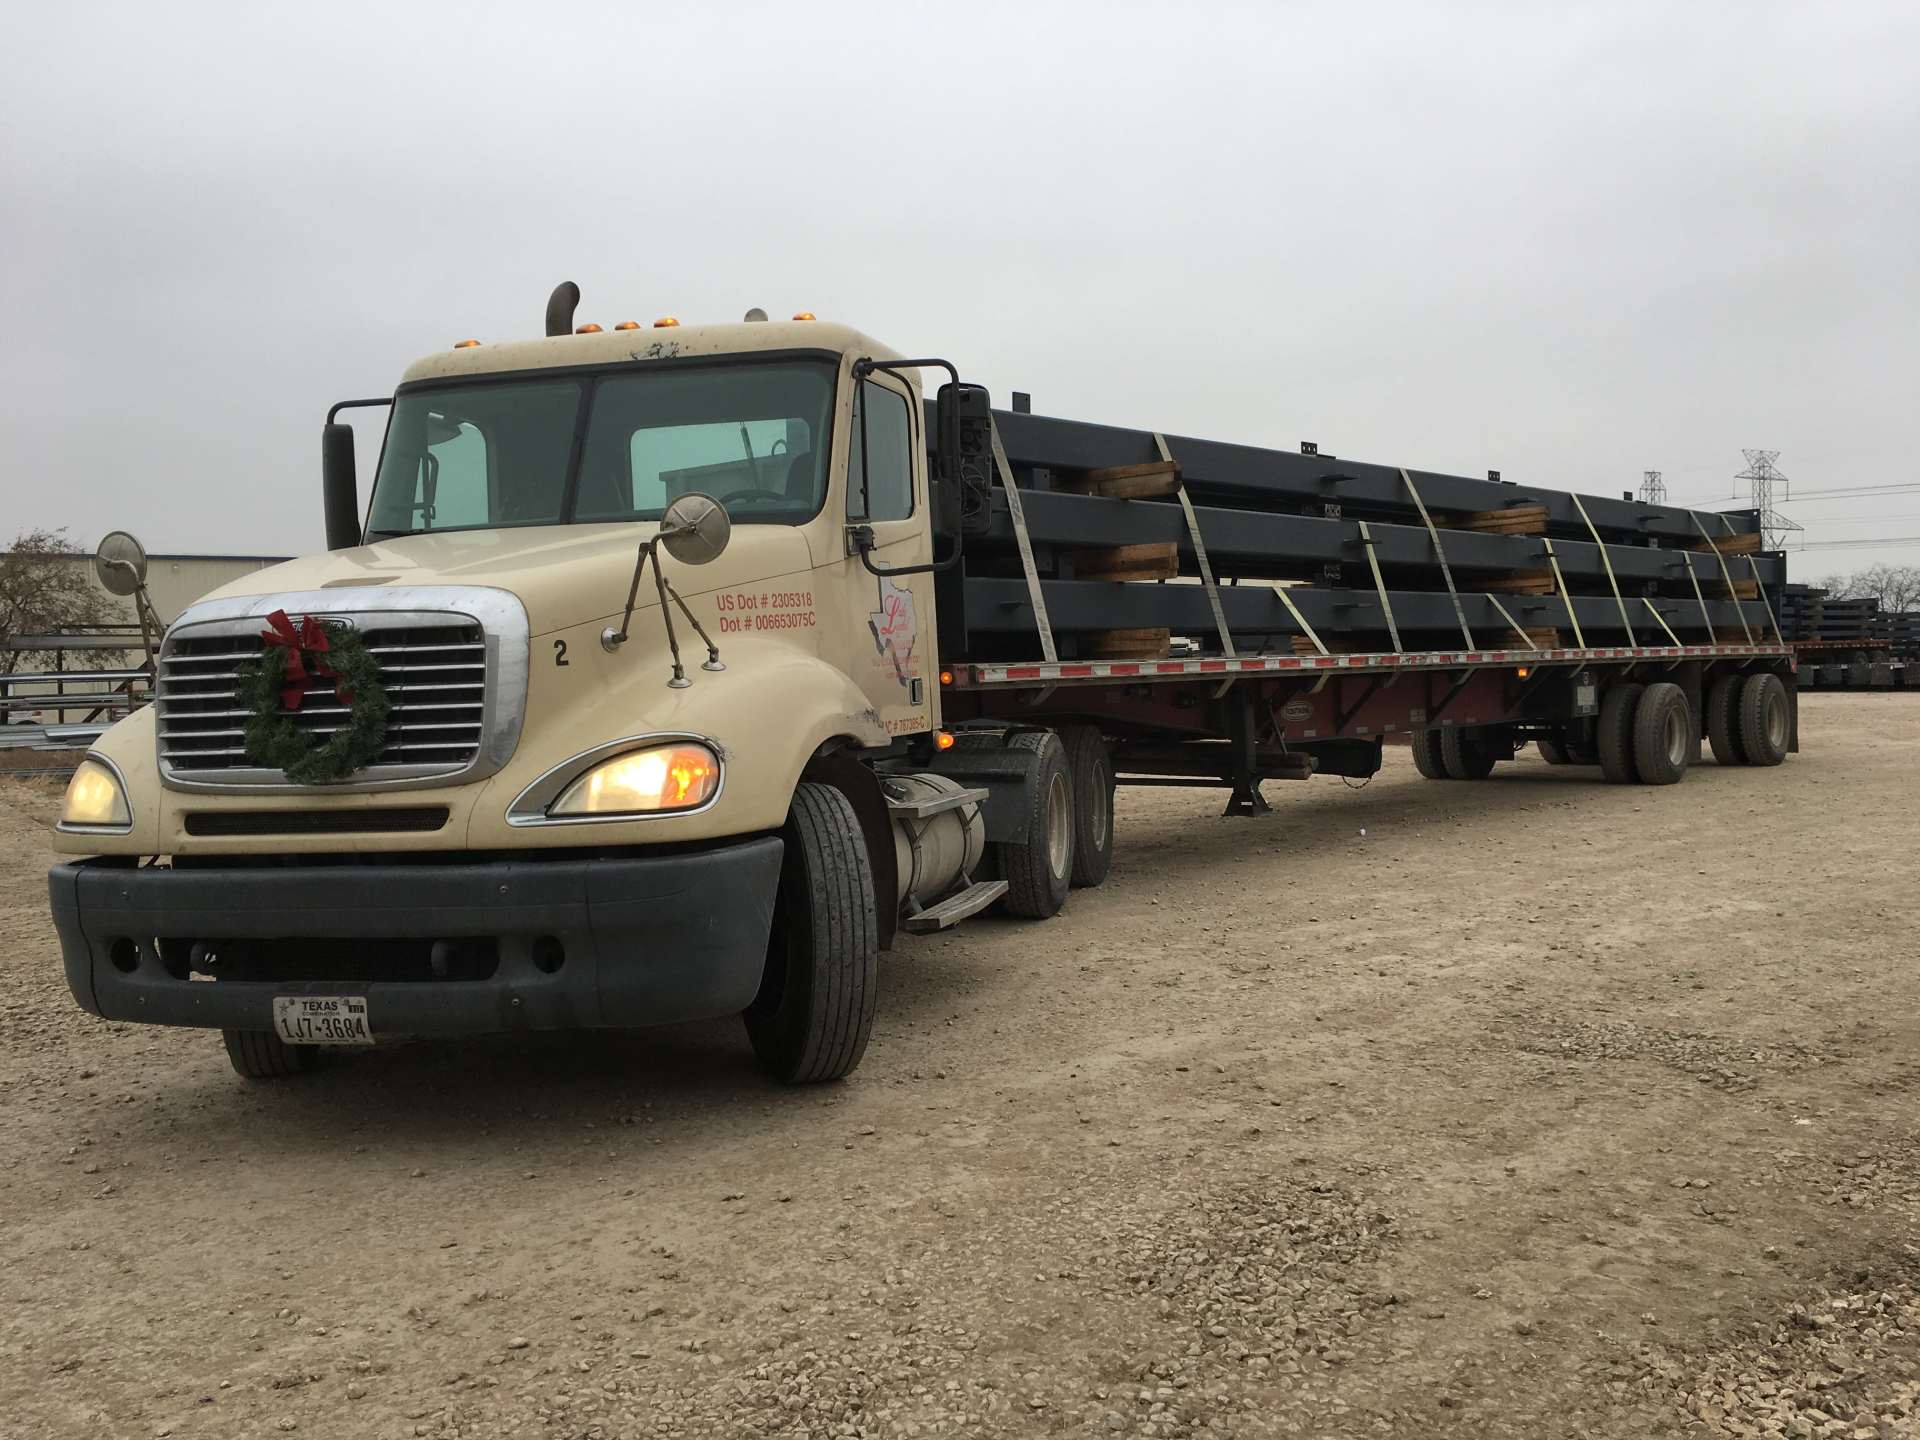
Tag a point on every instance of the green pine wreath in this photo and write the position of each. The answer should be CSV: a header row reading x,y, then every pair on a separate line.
x,y
275,742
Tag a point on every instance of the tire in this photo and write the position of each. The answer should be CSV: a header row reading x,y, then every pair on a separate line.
x,y
1552,751
1613,733
1466,755
1723,720
1039,869
1764,720
1090,771
263,1055
1662,734
1426,754
814,1012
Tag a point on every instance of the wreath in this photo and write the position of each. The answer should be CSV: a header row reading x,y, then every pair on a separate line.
x,y
272,688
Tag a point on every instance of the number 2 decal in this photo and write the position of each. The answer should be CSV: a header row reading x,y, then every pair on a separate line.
x,y
560,653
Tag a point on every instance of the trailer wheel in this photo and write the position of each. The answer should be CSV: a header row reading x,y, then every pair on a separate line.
x,y
1039,869
814,1011
1426,754
1662,734
263,1055
1613,733
1763,720
1466,755
1090,769
1723,720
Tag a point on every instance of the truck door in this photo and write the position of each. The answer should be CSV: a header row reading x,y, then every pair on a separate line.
x,y
895,666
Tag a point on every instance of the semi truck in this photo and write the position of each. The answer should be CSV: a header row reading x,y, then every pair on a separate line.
x,y
674,672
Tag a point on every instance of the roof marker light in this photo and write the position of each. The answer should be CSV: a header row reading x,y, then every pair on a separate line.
x,y
804,315
465,344
665,322
628,325
588,330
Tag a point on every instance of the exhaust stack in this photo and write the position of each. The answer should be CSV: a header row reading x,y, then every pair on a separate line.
x,y
560,308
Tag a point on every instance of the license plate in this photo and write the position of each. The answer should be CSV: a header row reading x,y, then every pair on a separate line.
x,y
322,1019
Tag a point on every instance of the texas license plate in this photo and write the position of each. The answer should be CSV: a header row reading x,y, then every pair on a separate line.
x,y
322,1019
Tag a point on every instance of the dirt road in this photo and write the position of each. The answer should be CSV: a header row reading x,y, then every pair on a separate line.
x,y
1533,1107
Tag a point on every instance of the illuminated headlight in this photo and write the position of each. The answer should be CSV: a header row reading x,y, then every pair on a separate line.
x,y
95,799
644,782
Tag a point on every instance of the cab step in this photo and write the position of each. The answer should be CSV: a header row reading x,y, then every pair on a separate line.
x,y
955,908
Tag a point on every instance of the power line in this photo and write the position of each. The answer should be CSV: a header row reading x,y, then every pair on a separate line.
x,y
1870,542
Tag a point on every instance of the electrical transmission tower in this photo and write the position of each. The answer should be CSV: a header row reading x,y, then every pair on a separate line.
x,y
1765,475
1653,489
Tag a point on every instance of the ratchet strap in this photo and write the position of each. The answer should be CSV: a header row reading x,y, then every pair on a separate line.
x,y
1199,553
1380,586
1761,591
1654,611
1440,555
1593,530
1299,619
1738,608
1019,516
1560,582
1494,600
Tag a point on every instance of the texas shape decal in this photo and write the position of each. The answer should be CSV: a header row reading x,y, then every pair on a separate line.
x,y
893,628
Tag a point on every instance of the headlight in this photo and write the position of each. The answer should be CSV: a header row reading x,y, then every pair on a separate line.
x,y
95,799
666,777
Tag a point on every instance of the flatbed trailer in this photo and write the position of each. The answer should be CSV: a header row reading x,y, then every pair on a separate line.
x,y
673,673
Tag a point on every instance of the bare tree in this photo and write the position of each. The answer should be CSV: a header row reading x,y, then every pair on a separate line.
x,y
1896,587
44,589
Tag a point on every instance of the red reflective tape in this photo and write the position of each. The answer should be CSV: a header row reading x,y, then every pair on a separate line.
x,y
1123,670
1024,672
1075,672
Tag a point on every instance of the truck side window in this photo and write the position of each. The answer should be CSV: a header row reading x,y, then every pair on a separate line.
x,y
889,479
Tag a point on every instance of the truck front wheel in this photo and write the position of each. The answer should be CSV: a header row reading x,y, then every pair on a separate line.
x,y
814,1011
263,1055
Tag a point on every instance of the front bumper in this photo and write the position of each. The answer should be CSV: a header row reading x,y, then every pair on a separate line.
x,y
563,944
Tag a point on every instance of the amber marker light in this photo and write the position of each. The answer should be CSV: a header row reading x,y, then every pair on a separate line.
x,y
628,325
946,677
1523,672
465,344
943,740
588,330
804,315
665,322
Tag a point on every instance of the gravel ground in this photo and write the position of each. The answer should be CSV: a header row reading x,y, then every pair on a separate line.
x,y
1527,1108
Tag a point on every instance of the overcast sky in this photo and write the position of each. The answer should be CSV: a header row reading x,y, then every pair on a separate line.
x,y
1570,242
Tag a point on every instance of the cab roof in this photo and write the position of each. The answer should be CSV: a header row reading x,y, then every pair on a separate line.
x,y
612,347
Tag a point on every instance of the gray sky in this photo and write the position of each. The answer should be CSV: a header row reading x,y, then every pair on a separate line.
x,y
1569,242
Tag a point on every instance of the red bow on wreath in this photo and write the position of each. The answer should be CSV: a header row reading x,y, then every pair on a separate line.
x,y
308,642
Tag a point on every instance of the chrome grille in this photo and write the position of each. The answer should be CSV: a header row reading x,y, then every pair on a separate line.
x,y
435,678
455,684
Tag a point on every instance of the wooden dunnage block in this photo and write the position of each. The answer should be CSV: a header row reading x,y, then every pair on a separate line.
x,y
1514,520
1157,560
1147,644
1730,544
1124,482
1524,582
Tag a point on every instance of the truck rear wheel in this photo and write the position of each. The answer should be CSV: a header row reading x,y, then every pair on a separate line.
x,y
1426,754
1039,869
1090,771
1467,755
1613,733
263,1055
1723,719
814,1011
1763,720
1662,734
1551,751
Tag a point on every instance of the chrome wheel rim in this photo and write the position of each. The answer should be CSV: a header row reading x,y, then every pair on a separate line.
x,y
1777,721
1676,736
1100,809
1059,825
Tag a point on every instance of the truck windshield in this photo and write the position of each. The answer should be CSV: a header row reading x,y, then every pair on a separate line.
x,y
502,452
